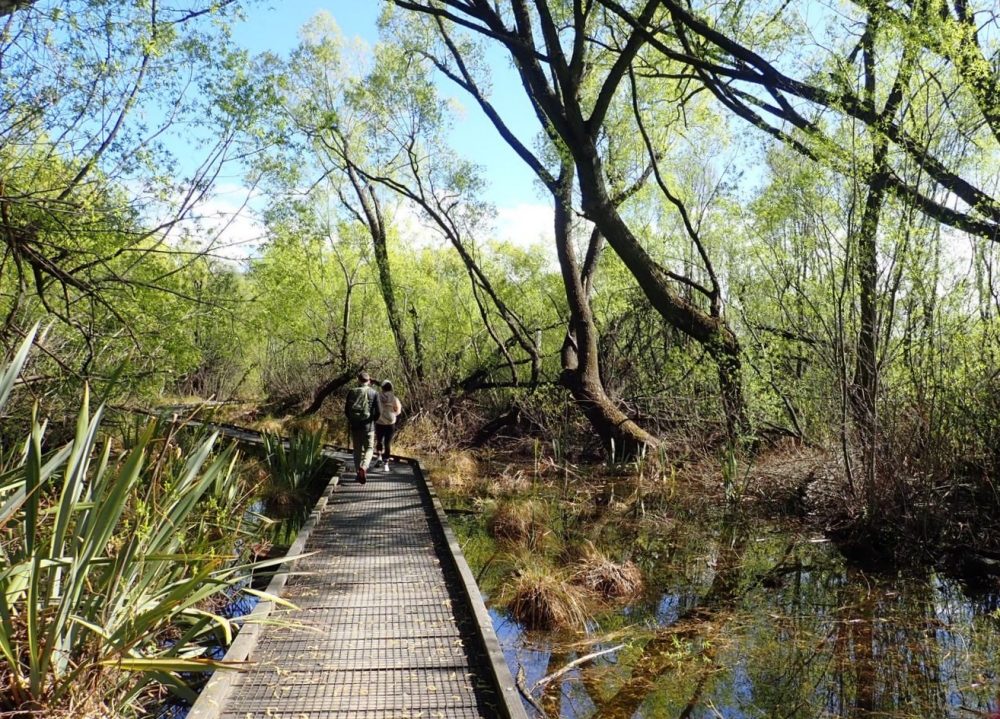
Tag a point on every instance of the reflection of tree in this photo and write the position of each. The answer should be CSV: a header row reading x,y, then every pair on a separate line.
x,y
843,644
787,631
703,621
781,649
887,651
552,697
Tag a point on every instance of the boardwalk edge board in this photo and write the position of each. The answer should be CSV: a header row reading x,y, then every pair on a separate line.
x,y
513,708
212,698
210,702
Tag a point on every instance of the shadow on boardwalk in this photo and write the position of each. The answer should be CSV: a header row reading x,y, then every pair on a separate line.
x,y
387,624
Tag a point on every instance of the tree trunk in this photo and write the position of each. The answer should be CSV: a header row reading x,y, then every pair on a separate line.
x,y
865,390
328,388
581,372
375,223
864,393
418,343
711,332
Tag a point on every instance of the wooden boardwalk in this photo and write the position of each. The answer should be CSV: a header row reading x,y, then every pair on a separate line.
x,y
387,625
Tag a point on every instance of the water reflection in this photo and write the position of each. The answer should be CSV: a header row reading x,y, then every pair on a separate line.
x,y
749,623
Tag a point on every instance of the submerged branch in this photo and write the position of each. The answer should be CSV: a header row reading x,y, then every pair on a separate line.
x,y
573,664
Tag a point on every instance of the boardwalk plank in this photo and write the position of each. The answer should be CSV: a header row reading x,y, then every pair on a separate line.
x,y
380,631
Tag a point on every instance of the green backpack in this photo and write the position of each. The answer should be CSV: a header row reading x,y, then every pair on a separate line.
x,y
359,405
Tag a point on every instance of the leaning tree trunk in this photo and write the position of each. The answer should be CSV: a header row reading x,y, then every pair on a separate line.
x,y
713,333
581,370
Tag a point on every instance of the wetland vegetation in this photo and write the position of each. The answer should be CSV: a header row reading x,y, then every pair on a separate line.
x,y
734,405
702,612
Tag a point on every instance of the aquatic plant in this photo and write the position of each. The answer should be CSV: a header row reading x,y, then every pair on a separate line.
x,y
91,603
520,520
541,596
293,465
456,470
611,580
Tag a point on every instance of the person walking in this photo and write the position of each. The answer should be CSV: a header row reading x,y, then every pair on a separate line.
x,y
362,410
390,408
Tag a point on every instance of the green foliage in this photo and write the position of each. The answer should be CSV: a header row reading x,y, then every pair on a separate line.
x,y
100,175
293,468
97,587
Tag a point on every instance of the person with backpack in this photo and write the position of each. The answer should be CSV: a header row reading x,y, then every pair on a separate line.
x,y
362,409
385,426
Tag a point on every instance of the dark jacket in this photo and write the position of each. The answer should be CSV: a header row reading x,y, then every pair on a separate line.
x,y
373,408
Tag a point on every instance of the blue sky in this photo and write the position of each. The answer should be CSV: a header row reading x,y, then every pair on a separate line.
x,y
523,213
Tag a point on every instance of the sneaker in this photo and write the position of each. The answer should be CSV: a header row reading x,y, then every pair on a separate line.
x,y
362,475
385,467
378,463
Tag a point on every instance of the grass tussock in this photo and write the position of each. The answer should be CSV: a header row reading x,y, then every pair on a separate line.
x,y
312,424
510,482
517,521
428,437
269,425
540,596
456,470
607,578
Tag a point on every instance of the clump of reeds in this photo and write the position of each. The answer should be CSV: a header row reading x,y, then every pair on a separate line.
x,y
540,596
610,579
268,425
517,521
312,424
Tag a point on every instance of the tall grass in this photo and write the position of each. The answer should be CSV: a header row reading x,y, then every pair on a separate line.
x,y
92,606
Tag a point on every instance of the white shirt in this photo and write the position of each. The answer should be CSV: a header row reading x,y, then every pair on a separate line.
x,y
390,407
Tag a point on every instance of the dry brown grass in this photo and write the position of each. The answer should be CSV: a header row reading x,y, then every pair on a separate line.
x,y
515,521
610,579
457,470
540,596
269,425
512,481
426,436
311,424
798,479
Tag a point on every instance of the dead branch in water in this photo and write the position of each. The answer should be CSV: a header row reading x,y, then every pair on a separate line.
x,y
575,663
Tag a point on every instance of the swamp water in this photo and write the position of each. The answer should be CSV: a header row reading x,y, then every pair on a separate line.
x,y
760,621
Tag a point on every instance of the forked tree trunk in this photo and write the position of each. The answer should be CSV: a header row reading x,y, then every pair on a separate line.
x,y
713,333
375,222
864,394
581,370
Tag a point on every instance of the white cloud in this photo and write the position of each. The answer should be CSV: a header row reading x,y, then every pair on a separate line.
x,y
523,225
229,224
526,225
225,224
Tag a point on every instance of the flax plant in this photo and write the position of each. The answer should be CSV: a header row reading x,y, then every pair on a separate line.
x,y
294,467
86,602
